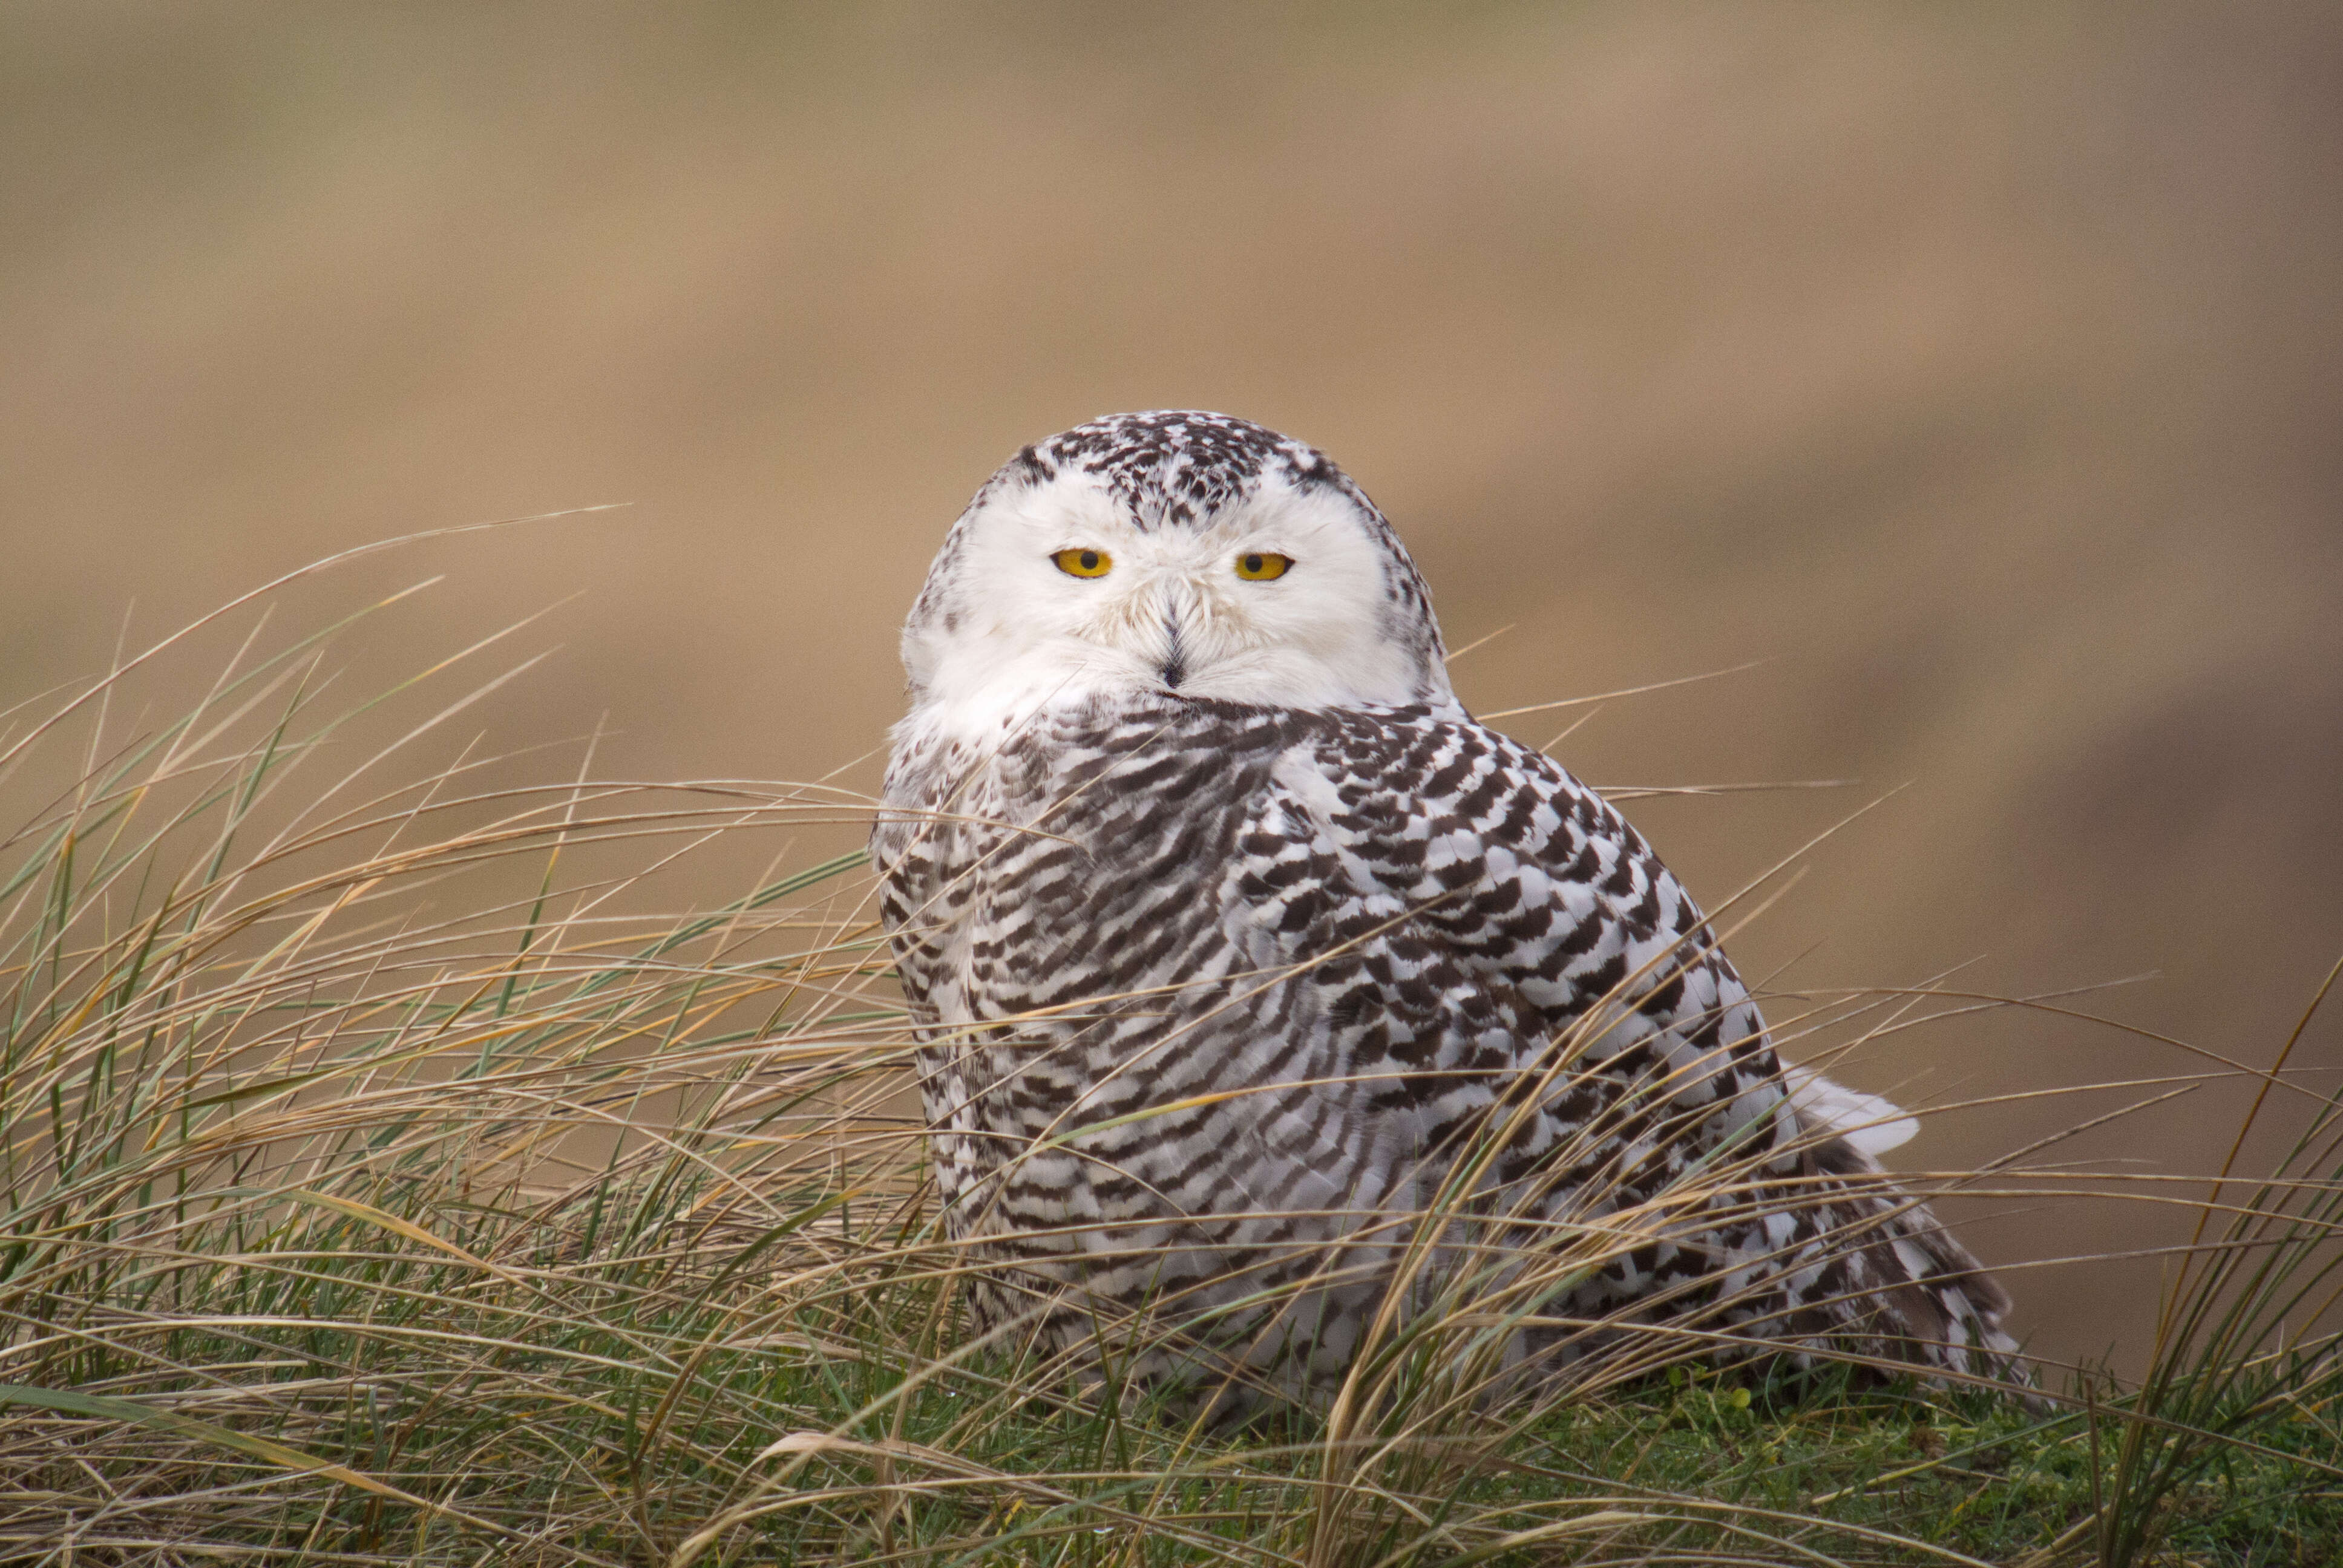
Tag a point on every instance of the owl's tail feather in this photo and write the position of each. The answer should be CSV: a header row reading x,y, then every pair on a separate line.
x,y
1924,1294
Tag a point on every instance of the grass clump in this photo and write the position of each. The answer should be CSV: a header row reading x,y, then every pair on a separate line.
x,y
387,1179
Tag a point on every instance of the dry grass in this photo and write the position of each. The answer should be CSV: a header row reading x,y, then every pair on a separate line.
x,y
388,1179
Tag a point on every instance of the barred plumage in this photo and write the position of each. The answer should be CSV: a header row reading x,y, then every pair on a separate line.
x,y
1230,932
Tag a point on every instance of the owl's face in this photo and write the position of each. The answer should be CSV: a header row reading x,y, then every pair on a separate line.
x,y
1185,555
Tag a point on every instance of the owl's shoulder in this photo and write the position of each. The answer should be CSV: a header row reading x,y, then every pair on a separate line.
x,y
1431,825
1433,772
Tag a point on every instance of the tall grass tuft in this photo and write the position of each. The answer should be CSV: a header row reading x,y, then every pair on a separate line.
x,y
368,1183
2241,1362
387,1176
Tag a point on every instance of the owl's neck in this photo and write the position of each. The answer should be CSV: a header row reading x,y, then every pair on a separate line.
x,y
991,717
958,735
977,691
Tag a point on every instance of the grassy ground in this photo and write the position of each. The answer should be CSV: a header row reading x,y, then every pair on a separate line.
x,y
382,1185
619,1400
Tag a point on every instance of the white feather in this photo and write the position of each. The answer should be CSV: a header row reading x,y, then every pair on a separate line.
x,y
1872,1124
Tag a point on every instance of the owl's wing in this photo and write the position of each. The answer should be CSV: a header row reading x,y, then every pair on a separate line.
x,y
1484,929
1450,877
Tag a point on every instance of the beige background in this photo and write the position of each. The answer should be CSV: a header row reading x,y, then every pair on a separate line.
x,y
1974,367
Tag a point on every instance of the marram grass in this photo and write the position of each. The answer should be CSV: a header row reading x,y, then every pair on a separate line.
x,y
384,1180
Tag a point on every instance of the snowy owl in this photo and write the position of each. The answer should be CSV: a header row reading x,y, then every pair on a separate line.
x,y
1257,982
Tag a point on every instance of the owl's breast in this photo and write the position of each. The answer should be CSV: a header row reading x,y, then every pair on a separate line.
x,y
1073,865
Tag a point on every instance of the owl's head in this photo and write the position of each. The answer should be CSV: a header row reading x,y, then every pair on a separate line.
x,y
1186,555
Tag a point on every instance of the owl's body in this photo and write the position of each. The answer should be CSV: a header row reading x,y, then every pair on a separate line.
x,y
1233,965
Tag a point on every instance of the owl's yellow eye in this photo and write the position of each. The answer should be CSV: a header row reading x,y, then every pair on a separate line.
x,y
1261,566
1084,563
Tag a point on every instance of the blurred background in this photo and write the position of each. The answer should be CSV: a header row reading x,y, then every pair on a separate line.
x,y
1975,373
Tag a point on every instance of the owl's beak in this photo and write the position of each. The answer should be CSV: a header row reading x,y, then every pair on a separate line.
x,y
1175,660
1177,601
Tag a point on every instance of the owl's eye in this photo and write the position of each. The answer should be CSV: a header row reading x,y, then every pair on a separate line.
x,y
1084,563
1261,566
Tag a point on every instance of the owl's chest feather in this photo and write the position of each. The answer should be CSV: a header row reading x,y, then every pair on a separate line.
x,y
1086,856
